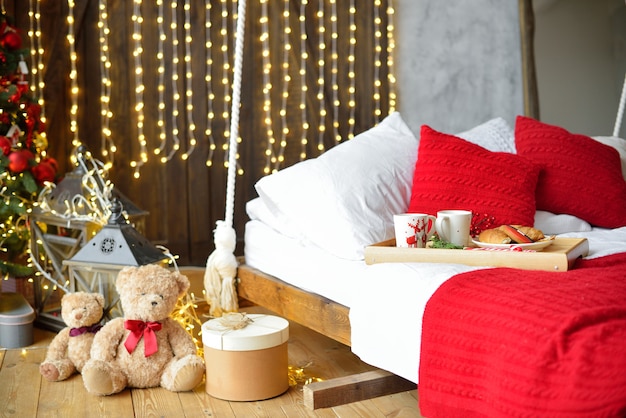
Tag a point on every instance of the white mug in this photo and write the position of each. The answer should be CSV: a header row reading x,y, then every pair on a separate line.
x,y
454,226
413,229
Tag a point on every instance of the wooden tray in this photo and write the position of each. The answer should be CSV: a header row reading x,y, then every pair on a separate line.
x,y
559,256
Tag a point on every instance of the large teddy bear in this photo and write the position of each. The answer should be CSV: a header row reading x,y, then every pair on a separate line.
x,y
146,348
69,350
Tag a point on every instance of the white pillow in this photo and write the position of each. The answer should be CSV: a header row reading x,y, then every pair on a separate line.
x,y
619,144
345,199
258,210
553,224
495,135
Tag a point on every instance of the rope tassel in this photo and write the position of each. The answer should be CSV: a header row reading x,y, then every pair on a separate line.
x,y
221,268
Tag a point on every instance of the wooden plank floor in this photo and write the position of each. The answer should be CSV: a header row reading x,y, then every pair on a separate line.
x,y
24,393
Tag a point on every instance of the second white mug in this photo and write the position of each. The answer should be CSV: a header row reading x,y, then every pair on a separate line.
x,y
454,226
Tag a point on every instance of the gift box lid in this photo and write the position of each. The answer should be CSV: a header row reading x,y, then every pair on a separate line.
x,y
241,332
15,310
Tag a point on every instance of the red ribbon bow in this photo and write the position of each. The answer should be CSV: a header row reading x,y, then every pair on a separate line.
x,y
75,332
140,329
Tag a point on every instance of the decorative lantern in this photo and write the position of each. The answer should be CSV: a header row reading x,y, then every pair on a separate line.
x,y
95,266
62,224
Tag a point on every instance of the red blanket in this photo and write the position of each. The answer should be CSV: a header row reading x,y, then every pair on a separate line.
x,y
516,343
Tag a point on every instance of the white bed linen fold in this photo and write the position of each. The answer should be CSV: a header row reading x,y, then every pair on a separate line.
x,y
386,300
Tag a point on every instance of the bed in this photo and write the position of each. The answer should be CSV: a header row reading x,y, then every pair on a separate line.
x,y
456,330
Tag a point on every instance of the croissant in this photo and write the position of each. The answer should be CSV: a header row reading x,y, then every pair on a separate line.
x,y
494,236
522,234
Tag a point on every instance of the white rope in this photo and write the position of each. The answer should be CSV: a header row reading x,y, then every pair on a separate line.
x,y
234,121
221,266
620,110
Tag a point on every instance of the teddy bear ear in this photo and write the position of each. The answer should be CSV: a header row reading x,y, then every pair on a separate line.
x,y
100,299
183,283
124,277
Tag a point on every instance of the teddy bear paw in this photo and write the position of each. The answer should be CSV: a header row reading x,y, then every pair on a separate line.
x,y
186,374
100,379
49,371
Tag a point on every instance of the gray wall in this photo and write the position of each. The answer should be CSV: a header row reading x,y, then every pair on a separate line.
x,y
458,62
580,50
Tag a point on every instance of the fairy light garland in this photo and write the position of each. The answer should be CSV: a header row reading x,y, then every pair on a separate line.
x,y
284,125
267,87
377,62
391,44
303,85
208,78
36,51
334,71
175,77
191,126
351,75
73,74
226,72
137,19
286,78
108,147
321,63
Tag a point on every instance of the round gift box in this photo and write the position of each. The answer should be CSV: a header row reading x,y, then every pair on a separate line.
x,y
246,364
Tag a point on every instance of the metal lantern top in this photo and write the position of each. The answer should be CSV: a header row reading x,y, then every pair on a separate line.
x,y
72,185
118,243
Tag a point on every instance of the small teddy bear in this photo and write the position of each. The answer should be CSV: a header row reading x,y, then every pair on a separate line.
x,y
69,350
144,348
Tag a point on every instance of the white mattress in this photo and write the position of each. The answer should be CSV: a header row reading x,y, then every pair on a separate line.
x,y
386,300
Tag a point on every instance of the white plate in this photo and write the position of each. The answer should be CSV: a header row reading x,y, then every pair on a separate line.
x,y
536,246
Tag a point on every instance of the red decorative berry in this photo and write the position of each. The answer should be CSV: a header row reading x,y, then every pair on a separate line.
x,y
480,222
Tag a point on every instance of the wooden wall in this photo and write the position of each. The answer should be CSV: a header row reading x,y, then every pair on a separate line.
x,y
185,198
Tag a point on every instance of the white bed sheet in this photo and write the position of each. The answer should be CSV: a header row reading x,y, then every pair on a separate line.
x,y
386,300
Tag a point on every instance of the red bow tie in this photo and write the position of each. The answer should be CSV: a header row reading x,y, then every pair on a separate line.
x,y
74,332
140,329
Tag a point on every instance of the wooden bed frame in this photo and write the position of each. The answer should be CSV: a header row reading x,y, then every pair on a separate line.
x,y
330,319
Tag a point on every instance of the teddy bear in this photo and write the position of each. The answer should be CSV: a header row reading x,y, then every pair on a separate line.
x,y
144,348
69,350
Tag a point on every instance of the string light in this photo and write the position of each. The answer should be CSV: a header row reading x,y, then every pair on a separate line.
x,y
73,74
286,78
175,62
267,87
36,52
108,147
226,72
139,87
162,37
303,85
208,78
391,44
284,125
321,63
377,62
334,58
191,126
351,75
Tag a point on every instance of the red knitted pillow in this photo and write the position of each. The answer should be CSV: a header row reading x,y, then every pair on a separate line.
x,y
451,173
579,176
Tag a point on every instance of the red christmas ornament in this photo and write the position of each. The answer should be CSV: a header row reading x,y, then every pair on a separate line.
x,y
11,40
18,160
43,172
5,145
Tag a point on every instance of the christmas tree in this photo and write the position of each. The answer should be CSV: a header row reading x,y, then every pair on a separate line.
x,y
24,165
